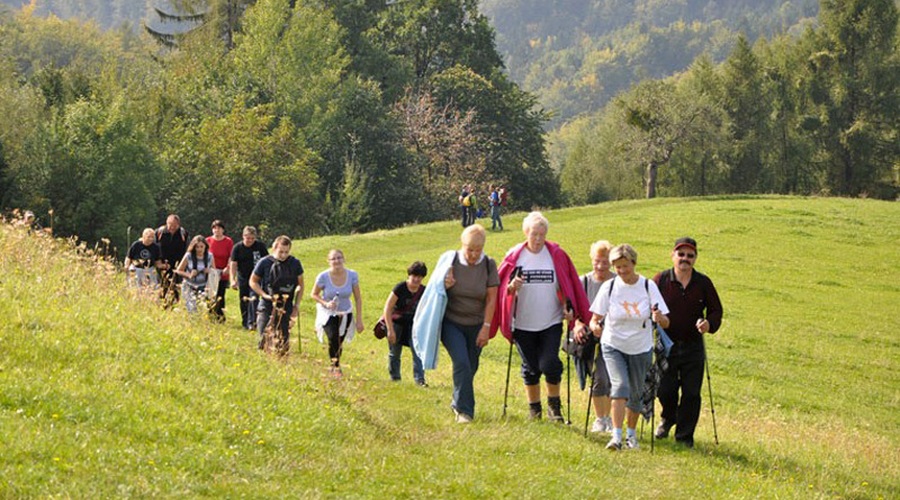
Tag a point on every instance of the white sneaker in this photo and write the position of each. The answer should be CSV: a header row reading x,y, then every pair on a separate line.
x,y
462,418
598,426
631,443
614,445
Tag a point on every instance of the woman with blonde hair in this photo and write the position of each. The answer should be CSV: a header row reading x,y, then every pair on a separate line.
x,y
624,311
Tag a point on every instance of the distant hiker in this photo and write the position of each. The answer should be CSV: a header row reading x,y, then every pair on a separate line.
x,y
496,221
695,309
30,221
172,239
464,202
244,257
541,288
398,314
220,246
277,280
457,308
195,268
473,206
623,311
334,311
591,283
143,260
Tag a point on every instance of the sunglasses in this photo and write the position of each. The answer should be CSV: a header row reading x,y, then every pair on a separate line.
x,y
686,255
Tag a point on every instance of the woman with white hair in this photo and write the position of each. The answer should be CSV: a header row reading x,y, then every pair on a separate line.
x,y
623,312
541,288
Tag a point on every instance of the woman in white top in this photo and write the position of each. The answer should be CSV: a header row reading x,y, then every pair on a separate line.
x,y
334,317
623,311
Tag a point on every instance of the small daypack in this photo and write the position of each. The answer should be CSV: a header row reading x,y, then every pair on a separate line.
x,y
282,277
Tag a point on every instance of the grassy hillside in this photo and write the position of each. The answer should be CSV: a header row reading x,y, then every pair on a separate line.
x,y
106,395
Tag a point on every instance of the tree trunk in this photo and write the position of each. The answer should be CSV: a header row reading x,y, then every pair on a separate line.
x,y
651,180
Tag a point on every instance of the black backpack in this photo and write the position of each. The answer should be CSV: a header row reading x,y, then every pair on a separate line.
x,y
282,277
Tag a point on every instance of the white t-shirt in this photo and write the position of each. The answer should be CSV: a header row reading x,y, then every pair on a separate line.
x,y
627,314
538,305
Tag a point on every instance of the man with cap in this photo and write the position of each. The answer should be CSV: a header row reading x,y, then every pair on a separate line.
x,y
694,310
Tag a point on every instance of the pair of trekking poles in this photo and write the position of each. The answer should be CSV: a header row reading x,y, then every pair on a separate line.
x,y
590,374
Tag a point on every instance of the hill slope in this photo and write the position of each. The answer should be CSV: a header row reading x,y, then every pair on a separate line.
x,y
106,395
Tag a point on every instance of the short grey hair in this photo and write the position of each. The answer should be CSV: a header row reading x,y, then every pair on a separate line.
x,y
534,219
623,251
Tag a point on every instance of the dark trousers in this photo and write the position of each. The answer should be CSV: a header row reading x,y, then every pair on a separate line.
x,y
465,216
248,307
283,326
540,354
219,307
335,340
685,373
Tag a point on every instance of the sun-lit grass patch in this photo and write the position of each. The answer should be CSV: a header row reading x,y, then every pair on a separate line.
x,y
105,394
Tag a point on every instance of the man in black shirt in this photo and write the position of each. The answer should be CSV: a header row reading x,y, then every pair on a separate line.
x,y
694,310
173,241
244,257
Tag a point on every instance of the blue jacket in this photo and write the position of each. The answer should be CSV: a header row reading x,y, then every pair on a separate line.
x,y
426,330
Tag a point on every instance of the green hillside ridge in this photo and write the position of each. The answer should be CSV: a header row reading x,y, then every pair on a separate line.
x,y
106,395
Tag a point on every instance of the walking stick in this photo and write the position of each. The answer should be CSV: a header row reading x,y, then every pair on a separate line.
x,y
516,272
568,381
587,417
508,367
712,407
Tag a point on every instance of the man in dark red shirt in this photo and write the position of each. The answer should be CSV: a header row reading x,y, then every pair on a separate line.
x,y
694,310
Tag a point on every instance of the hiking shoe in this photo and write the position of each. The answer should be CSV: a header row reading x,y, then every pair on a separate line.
x,y
614,445
535,413
462,418
554,413
632,443
662,431
602,425
421,383
336,372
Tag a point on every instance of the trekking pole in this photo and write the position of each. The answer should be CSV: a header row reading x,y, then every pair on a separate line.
x,y
587,417
508,368
568,382
712,407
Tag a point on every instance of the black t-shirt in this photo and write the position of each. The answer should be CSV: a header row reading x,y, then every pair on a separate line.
x,y
247,257
142,255
172,246
262,269
404,298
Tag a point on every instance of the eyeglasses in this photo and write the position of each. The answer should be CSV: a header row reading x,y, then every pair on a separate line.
x,y
686,255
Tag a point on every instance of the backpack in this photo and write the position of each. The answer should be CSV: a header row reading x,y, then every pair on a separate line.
x,y
467,200
503,197
282,277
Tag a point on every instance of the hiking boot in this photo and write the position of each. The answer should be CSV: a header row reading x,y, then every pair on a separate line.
x,y
631,443
336,372
662,431
421,383
554,411
462,418
614,445
535,412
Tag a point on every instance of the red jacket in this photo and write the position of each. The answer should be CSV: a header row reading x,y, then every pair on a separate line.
x,y
567,279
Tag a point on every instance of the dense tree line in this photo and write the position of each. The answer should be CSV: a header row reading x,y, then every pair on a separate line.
x,y
814,114
303,117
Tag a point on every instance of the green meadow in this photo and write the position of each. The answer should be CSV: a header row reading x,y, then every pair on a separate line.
x,y
104,394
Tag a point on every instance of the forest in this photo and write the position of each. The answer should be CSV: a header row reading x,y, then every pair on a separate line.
x,y
298,117
336,116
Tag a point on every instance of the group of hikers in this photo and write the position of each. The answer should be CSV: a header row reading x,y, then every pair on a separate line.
x,y
471,208
535,298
